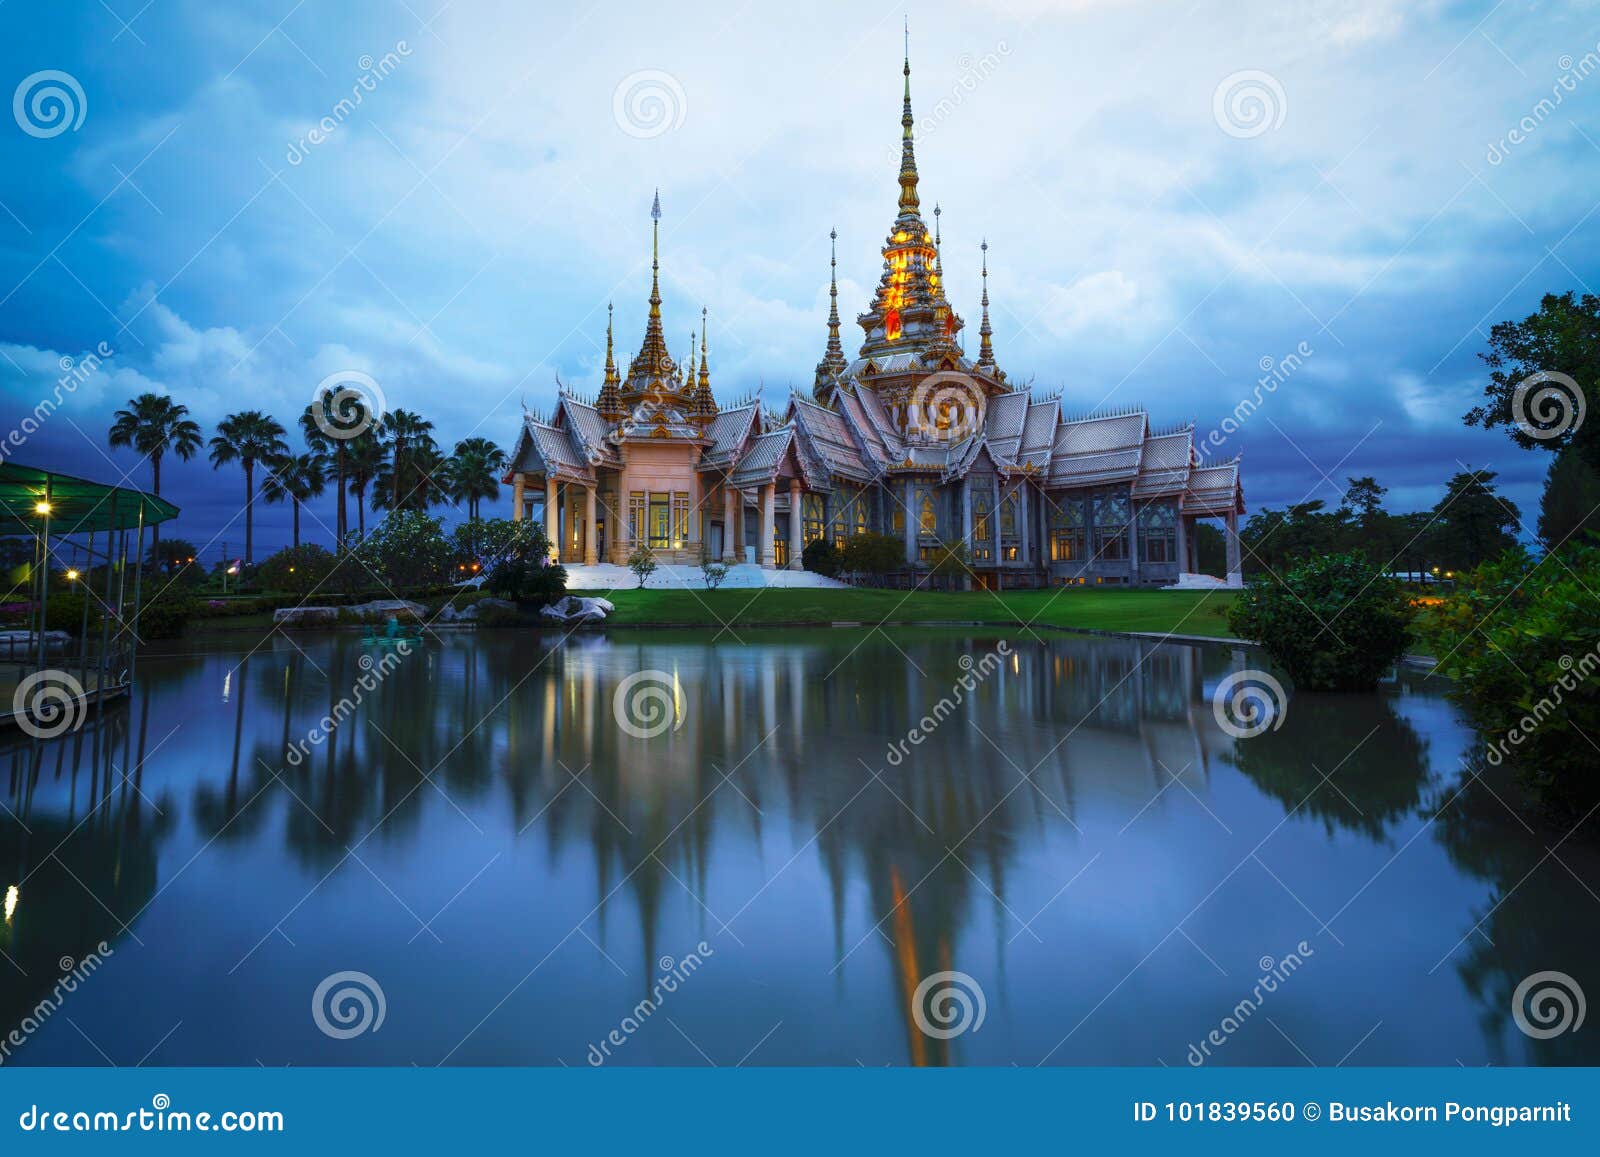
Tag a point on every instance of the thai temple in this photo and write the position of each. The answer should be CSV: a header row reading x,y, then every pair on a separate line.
x,y
911,437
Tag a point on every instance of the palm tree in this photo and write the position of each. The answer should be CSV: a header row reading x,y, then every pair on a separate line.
x,y
402,433
153,424
298,478
427,478
331,433
366,455
475,469
248,437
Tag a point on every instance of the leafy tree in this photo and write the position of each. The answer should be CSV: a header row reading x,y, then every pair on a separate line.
x,y
874,555
295,478
642,562
522,568
407,550
1569,508
1333,623
1563,337
1472,523
476,465
1365,498
298,569
248,437
950,562
176,556
152,425
1524,656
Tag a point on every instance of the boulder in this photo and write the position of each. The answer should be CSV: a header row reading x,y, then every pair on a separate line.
x,y
574,610
306,616
382,610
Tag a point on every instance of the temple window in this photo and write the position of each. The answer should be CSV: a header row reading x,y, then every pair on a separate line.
x,y
927,517
891,325
1066,530
680,519
636,515
811,520
1158,533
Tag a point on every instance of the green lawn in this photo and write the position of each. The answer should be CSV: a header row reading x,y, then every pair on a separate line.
x,y
1179,612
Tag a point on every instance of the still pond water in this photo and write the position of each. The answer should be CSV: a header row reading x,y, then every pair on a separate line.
x,y
779,870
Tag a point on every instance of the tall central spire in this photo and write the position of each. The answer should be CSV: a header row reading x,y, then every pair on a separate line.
x,y
908,156
653,369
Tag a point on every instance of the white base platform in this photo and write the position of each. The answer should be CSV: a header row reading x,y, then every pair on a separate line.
x,y
679,576
1205,582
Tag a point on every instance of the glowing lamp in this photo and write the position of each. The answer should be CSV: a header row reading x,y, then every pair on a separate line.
x,y
13,898
72,576
41,507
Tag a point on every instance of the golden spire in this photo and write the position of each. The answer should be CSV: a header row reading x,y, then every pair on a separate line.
x,y
653,364
607,403
705,372
833,361
705,404
985,347
908,157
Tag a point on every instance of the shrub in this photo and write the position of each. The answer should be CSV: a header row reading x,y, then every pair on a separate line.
x,y
874,554
522,568
642,562
1334,623
298,569
167,614
713,573
1524,653
822,557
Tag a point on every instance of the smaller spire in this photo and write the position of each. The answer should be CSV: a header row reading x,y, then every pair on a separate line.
x,y
705,404
986,347
608,403
833,361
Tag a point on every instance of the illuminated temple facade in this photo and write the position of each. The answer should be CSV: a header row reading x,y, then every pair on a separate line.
x,y
912,438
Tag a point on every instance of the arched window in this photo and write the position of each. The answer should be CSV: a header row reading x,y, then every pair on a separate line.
x,y
891,325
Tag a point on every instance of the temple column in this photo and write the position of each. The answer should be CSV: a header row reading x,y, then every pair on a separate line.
x,y
1024,518
1183,542
765,544
796,546
728,542
994,530
966,531
551,530
516,497
1235,571
1133,541
590,546
564,520
911,524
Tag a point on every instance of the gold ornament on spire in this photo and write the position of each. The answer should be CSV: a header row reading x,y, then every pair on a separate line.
x,y
653,369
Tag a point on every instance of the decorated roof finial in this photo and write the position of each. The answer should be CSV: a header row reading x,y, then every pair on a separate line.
x,y
833,361
705,405
653,363
908,158
986,346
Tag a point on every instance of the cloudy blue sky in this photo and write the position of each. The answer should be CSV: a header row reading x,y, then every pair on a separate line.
x,y
460,230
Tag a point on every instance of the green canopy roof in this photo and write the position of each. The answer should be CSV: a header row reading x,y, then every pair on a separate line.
x,y
76,506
